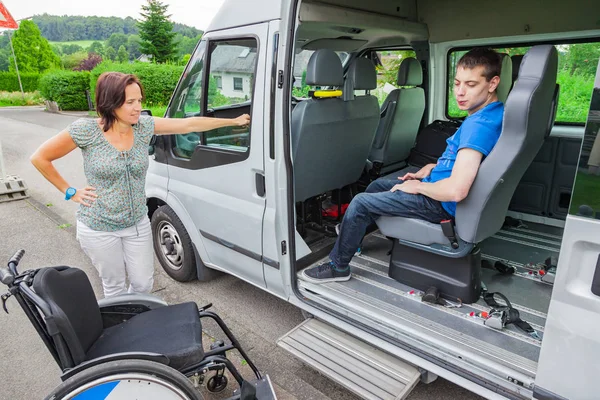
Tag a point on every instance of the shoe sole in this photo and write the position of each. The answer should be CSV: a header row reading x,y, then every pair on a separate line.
x,y
313,280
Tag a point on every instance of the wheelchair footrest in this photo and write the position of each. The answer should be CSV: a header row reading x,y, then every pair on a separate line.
x,y
361,368
259,389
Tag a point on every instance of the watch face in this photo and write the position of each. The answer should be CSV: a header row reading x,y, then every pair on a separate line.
x,y
70,191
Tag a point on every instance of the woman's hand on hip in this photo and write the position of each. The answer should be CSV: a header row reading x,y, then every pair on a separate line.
x,y
86,196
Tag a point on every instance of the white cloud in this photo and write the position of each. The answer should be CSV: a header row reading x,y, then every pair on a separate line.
x,y
196,13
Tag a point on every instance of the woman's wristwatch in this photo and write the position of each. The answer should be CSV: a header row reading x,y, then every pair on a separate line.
x,y
70,193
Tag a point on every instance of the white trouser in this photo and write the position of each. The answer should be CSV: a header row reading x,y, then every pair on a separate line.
x,y
116,253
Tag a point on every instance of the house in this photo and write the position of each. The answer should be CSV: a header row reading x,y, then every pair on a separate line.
x,y
232,68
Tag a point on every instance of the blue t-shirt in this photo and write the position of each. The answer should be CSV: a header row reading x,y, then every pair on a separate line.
x,y
479,131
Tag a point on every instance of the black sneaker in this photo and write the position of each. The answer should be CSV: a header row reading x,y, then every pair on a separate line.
x,y
325,272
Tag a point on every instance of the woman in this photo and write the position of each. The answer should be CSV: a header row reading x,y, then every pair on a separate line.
x,y
112,221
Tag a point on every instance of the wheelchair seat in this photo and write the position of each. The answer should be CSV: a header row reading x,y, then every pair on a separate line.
x,y
173,331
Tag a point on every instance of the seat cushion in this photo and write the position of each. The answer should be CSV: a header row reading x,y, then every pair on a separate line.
x,y
412,230
174,331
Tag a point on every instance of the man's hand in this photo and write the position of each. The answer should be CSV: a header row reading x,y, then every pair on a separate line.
x,y
410,187
420,174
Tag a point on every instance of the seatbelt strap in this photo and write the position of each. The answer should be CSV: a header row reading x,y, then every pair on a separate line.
x,y
512,315
448,230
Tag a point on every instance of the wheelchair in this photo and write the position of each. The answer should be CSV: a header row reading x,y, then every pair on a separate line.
x,y
128,346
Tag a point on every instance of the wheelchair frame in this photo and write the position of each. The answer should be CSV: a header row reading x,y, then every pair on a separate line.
x,y
39,313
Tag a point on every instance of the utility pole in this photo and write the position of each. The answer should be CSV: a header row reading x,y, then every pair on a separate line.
x,y
16,65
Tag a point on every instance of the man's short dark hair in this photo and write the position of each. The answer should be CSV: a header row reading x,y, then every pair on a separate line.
x,y
489,59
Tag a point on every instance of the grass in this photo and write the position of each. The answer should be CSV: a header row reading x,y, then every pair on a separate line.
x,y
82,43
586,191
12,99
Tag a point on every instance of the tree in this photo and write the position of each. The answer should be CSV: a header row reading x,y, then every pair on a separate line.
x,y
33,52
96,48
89,63
116,40
110,53
122,54
4,57
156,32
133,47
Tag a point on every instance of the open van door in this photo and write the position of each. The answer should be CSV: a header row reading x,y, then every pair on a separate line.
x,y
216,178
569,364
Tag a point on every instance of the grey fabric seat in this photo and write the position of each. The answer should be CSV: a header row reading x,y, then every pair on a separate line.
x,y
529,115
331,136
401,115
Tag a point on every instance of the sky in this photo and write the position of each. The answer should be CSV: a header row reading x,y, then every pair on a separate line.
x,y
196,13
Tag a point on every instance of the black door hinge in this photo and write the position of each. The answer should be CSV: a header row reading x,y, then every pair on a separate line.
x,y
283,248
280,79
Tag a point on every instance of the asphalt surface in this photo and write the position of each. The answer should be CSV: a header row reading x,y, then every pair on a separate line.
x,y
43,225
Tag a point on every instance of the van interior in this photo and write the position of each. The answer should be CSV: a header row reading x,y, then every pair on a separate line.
x,y
351,124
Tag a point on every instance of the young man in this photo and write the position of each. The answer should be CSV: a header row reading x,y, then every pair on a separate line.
x,y
430,194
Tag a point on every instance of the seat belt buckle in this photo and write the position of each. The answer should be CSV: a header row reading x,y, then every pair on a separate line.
x,y
448,230
496,319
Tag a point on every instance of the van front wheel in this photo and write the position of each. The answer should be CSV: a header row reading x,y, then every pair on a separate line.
x,y
172,245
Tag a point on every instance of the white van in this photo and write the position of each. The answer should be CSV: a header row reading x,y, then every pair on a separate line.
x,y
262,203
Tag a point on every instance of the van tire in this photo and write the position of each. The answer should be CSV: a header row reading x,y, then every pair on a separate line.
x,y
170,236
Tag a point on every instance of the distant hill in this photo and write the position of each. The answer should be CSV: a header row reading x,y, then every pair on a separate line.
x,y
69,28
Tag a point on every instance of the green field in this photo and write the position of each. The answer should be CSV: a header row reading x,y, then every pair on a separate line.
x,y
82,43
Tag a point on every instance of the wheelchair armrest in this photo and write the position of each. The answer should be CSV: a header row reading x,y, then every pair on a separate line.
x,y
160,358
131,299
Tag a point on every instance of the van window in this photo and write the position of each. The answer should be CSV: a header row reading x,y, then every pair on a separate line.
x,y
576,70
585,201
228,93
388,64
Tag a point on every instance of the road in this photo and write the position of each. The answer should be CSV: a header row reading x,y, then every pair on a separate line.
x,y
43,225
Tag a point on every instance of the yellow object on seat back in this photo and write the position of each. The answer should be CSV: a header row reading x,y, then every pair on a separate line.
x,y
323,94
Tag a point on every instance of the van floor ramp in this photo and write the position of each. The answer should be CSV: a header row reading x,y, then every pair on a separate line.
x,y
361,368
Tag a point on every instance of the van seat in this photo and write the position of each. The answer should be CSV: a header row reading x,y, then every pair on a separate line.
x,y
529,115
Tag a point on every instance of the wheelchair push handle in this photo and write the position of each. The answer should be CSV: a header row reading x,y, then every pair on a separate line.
x,y
7,275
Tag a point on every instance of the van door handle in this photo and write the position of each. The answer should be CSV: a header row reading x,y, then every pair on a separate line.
x,y
260,184
596,279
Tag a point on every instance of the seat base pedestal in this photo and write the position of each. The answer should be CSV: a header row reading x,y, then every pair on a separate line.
x,y
455,278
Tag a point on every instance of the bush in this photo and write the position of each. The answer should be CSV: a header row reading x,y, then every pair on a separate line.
x,y
10,83
66,88
158,80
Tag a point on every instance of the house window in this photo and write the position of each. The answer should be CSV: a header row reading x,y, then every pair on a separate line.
x,y
238,84
219,82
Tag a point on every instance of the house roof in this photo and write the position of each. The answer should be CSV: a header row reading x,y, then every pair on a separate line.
x,y
233,59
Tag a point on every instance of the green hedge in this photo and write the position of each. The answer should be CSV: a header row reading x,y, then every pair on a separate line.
x,y
158,80
66,88
10,83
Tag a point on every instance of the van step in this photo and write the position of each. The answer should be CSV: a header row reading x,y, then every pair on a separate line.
x,y
366,371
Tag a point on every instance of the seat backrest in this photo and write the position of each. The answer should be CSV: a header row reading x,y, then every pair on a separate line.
x,y
506,78
330,137
71,299
528,117
401,115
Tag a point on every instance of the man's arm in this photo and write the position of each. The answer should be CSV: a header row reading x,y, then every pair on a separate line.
x,y
456,187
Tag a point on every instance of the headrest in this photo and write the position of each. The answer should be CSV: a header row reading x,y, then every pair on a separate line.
x,y
324,69
538,70
516,65
362,74
505,78
410,73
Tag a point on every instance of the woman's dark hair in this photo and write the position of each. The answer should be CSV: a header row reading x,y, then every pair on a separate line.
x,y
110,95
490,60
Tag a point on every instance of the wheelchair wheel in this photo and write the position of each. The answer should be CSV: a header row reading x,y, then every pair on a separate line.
x,y
127,379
